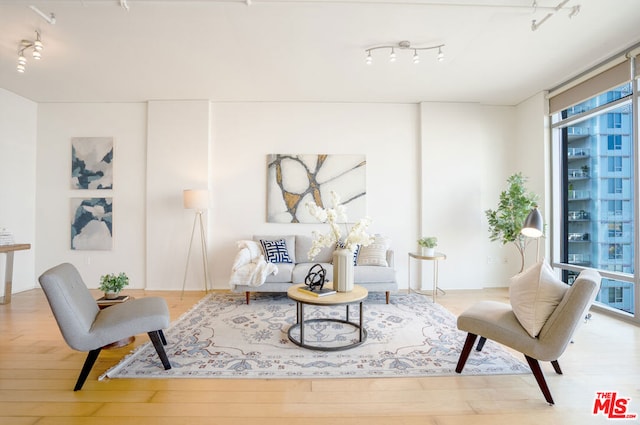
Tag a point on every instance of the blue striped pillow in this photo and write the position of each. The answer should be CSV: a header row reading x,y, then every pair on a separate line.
x,y
276,251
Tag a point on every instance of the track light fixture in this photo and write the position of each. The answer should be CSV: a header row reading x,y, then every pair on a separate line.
x,y
50,18
403,45
573,11
36,52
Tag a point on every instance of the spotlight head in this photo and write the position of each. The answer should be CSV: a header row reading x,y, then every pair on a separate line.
x,y
392,56
20,68
21,59
36,55
440,54
37,45
416,58
369,59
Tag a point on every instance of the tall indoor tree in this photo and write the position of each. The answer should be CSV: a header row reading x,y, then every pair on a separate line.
x,y
505,222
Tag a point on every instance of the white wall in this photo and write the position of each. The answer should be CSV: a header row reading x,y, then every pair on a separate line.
x,y
466,155
177,159
533,159
466,152
18,184
245,133
57,124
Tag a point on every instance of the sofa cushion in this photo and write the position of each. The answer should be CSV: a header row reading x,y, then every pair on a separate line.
x,y
373,274
374,254
303,245
290,241
534,295
285,270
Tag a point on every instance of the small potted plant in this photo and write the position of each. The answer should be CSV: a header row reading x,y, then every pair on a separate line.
x,y
111,284
428,245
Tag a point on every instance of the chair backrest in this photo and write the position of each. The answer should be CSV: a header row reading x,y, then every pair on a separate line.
x,y
71,302
557,332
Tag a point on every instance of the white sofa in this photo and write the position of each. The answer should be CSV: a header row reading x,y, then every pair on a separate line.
x,y
374,269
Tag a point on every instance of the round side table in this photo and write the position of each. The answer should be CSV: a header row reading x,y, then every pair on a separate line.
x,y
435,258
102,304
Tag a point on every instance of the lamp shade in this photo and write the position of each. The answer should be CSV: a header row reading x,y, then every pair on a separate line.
x,y
196,199
533,224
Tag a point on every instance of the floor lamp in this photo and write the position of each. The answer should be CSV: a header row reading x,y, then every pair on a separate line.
x,y
197,200
533,228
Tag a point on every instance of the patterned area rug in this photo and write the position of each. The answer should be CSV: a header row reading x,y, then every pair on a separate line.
x,y
222,337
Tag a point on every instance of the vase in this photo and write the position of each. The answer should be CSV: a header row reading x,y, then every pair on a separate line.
x,y
342,270
111,295
428,252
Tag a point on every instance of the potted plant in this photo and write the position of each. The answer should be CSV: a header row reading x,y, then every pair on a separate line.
x,y
111,284
428,245
505,222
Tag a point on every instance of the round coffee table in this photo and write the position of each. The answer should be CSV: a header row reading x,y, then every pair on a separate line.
x,y
357,295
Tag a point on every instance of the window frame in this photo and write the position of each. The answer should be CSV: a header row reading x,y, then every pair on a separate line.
x,y
556,168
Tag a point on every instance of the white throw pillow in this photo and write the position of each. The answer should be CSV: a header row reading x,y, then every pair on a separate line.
x,y
534,294
374,254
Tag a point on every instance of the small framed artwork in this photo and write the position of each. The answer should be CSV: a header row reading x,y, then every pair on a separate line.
x,y
91,224
92,163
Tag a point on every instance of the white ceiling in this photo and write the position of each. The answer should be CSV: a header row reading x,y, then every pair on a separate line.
x,y
307,50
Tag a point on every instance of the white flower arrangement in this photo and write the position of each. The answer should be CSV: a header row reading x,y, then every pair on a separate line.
x,y
357,235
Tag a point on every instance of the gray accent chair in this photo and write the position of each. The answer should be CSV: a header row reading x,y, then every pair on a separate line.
x,y
497,322
85,327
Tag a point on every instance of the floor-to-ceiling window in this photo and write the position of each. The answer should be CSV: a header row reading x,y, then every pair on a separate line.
x,y
595,223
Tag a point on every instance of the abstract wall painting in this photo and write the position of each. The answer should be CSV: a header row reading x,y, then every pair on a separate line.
x,y
92,163
293,180
91,224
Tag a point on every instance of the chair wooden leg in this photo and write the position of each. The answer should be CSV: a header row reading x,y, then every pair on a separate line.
x,y
466,350
542,383
386,294
556,367
481,342
247,295
162,338
86,368
157,343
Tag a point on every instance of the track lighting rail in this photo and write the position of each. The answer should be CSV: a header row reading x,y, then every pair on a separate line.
x,y
403,45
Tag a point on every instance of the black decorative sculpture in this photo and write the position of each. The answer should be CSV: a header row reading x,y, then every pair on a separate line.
x,y
315,277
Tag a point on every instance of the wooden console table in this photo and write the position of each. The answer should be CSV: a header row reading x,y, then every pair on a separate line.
x,y
9,250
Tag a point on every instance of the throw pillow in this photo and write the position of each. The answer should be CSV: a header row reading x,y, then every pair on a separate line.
x,y
355,255
534,295
275,251
374,254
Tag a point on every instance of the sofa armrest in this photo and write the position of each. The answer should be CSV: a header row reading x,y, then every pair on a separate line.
x,y
390,258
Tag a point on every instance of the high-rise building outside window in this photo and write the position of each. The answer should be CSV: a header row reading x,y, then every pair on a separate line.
x,y
594,143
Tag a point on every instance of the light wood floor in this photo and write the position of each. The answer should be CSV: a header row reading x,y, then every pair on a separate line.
x,y
38,371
